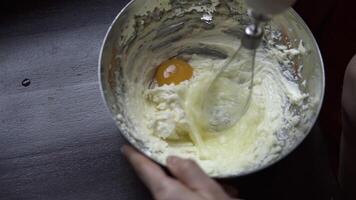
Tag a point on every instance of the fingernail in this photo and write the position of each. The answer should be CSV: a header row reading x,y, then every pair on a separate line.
x,y
172,160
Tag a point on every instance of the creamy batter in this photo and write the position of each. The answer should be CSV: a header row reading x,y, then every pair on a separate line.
x,y
165,119
171,117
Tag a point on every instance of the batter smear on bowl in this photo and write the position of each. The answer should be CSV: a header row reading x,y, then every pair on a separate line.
x,y
173,113
166,57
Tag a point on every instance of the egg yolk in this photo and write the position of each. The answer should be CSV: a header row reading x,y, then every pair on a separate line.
x,y
173,71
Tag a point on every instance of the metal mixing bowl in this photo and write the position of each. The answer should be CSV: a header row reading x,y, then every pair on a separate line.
x,y
146,32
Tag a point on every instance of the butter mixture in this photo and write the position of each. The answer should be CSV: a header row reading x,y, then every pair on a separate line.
x,y
171,115
166,59
159,59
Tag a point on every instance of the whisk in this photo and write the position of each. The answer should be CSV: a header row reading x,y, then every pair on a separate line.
x,y
224,108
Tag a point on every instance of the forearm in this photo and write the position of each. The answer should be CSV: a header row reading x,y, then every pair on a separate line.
x,y
347,172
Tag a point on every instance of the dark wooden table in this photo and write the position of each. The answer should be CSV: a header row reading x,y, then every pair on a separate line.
x,y
57,140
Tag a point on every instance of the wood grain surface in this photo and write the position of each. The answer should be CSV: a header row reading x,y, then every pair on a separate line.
x,y
57,139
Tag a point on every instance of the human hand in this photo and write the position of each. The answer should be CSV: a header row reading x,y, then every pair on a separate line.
x,y
347,166
349,102
191,182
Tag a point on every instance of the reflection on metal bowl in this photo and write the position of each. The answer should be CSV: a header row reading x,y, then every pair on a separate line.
x,y
146,32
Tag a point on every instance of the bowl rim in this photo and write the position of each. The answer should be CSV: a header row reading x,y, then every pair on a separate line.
x,y
249,172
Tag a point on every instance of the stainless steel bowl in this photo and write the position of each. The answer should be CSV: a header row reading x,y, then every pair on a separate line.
x,y
148,31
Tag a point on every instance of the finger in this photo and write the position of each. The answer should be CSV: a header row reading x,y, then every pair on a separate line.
x,y
231,190
150,173
188,172
194,177
161,186
175,190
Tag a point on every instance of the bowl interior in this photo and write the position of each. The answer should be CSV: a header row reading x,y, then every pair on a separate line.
x,y
147,32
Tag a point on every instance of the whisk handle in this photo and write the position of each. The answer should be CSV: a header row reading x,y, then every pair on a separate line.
x,y
269,7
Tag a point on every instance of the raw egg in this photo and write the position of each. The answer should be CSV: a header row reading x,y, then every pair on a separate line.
x,y
173,71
